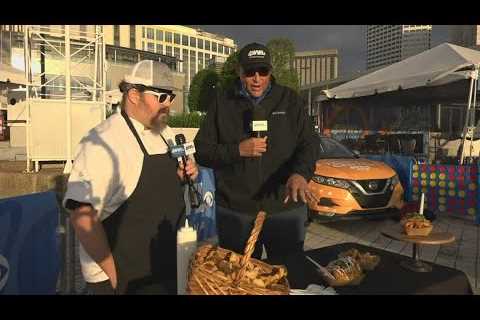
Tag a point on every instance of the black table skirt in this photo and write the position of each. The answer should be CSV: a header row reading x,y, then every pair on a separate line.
x,y
387,278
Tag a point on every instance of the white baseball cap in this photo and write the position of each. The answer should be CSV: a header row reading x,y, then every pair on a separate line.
x,y
152,74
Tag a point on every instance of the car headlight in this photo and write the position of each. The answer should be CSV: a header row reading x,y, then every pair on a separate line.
x,y
339,183
394,180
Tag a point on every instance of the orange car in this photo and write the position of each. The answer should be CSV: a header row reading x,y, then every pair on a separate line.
x,y
347,185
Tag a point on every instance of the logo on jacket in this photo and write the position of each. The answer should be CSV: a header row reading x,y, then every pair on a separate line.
x,y
208,199
4,270
256,54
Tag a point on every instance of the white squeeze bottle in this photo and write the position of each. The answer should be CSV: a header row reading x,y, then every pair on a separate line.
x,y
186,247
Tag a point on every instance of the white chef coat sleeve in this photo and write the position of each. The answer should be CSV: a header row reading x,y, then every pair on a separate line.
x,y
95,175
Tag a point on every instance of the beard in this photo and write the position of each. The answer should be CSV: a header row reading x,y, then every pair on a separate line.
x,y
160,121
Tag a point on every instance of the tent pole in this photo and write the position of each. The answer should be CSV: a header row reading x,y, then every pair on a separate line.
x,y
472,115
468,129
439,116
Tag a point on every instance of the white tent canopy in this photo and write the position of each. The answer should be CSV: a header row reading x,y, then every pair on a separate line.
x,y
440,65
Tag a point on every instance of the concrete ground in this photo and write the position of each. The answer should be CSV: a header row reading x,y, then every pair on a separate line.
x,y
463,254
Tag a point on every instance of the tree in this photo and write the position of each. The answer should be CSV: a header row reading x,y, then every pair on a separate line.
x,y
282,52
202,86
229,70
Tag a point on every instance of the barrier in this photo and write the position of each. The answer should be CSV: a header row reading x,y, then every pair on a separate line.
x,y
203,218
402,165
29,246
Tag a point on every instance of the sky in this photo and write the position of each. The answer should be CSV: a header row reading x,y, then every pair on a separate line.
x,y
350,40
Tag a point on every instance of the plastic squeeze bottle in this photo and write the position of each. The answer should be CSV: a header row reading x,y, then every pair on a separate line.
x,y
186,247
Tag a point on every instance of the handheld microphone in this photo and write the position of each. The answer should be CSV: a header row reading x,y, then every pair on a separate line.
x,y
259,123
185,149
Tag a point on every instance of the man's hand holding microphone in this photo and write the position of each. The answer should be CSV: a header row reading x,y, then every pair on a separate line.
x,y
297,185
187,169
191,170
253,147
257,144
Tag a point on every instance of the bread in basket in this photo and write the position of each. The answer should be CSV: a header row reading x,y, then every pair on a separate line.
x,y
218,271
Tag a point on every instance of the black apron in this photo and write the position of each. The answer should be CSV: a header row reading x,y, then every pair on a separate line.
x,y
142,232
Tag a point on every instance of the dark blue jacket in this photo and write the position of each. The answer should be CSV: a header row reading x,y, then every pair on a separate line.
x,y
250,184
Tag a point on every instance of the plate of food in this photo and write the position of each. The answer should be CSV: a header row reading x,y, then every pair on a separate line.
x,y
341,272
366,260
416,224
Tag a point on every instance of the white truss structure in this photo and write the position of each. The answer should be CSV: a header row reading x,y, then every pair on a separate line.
x,y
72,75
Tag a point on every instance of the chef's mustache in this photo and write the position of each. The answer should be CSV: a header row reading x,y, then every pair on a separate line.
x,y
164,111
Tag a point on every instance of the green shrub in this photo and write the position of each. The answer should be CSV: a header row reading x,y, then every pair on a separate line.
x,y
186,120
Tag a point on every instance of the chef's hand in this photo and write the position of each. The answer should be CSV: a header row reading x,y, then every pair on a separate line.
x,y
192,170
298,186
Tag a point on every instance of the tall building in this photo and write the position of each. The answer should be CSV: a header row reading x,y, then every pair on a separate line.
x,y
316,66
193,48
387,44
217,63
465,35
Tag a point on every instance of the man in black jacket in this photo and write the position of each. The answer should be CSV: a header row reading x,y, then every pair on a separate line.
x,y
254,173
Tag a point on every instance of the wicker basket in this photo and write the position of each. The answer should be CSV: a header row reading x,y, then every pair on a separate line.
x,y
203,280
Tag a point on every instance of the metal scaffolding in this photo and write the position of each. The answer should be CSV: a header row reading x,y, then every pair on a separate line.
x,y
65,78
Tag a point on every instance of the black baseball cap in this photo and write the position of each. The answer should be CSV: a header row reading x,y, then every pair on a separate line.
x,y
255,55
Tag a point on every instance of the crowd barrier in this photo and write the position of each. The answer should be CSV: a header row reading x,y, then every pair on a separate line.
x,y
29,244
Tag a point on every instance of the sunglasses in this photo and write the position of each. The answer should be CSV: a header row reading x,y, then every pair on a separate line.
x,y
162,96
262,71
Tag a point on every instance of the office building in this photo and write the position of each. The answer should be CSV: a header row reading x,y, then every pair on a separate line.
x,y
316,66
193,48
465,35
387,44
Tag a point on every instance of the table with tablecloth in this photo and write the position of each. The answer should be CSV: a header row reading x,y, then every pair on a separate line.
x,y
388,277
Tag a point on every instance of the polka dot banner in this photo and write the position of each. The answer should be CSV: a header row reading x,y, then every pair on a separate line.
x,y
451,189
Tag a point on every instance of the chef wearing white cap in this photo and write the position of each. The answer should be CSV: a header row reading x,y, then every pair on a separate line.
x,y
124,192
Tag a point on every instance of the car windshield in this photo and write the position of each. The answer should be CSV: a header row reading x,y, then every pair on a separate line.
x,y
331,148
